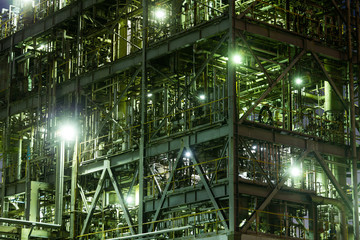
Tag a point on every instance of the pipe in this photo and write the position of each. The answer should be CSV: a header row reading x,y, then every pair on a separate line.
x,y
29,223
153,233
340,206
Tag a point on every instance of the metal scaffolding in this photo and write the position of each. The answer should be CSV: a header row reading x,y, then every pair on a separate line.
x,y
179,119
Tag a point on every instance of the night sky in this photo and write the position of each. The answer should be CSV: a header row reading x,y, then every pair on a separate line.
x,y
4,4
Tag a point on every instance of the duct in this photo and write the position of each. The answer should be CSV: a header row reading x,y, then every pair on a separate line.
x,y
340,206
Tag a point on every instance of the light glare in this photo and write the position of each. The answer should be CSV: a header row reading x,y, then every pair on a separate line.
x,y
295,171
149,94
237,59
130,200
67,132
160,13
202,97
298,81
187,154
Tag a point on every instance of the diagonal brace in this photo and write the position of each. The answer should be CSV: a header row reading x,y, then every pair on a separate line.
x,y
209,191
333,180
274,83
332,83
256,58
244,144
82,194
120,196
164,193
271,195
94,202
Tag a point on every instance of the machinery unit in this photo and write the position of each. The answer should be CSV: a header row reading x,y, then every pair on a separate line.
x,y
179,119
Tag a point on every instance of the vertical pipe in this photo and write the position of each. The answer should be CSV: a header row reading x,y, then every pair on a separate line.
x,y
232,115
74,168
18,177
59,185
143,118
353,128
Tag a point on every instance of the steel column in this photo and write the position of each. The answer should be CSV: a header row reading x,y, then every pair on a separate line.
x,y
143,112
233,123
354,172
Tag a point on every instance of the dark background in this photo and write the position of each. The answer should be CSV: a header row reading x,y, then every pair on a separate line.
x,y
4,4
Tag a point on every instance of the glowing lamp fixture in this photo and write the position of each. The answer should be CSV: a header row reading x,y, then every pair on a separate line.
x,y
149,94
202,97
237,59
298,81
160,14
130,200
67,132
187,154
295,171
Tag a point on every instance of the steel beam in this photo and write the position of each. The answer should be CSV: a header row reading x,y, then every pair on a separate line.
x,y
333,180
284,36
153,150
48,23
291,139
270,196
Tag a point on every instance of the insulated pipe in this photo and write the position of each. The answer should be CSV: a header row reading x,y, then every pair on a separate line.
x,y
29,223
153,233
340,206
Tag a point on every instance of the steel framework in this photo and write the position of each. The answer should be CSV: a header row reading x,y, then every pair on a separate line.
x,y
194,119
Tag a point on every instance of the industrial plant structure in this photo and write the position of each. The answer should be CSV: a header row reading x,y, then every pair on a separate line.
x,y
179,119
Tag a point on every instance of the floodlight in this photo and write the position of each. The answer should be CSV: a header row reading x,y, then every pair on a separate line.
x,y
298,81
295,171
130,200
160,14
188,154
237,59
202,97
67,132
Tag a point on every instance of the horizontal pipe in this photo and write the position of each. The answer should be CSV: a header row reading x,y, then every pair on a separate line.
x,y
152,233
29,223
